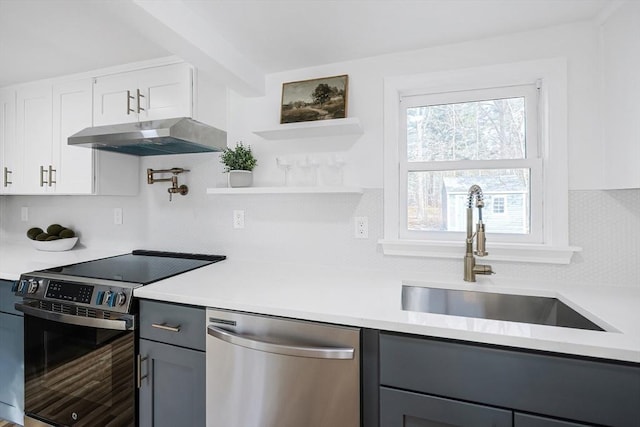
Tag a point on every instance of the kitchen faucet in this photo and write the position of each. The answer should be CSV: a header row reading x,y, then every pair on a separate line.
x,y
470,266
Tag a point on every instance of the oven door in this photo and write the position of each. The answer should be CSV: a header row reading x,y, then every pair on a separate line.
x,y
78,375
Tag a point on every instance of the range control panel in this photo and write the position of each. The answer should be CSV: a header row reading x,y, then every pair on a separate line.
x,y
96,295
69,292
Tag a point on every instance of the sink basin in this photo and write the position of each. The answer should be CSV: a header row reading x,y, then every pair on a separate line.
x,y
488,305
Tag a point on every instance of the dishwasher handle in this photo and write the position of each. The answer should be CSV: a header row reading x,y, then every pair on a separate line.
x,y
344,353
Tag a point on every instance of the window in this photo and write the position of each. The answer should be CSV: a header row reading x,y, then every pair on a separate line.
x,y
502,127
451,141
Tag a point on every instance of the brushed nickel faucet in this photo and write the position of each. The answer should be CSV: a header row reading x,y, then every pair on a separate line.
x,y
470,266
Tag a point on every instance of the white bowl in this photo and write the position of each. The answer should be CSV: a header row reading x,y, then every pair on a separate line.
x,y
55,245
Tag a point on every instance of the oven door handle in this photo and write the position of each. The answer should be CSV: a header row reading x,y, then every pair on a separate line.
x,y
123,324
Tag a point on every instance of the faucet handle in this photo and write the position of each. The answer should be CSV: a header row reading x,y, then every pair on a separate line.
x,y
482,269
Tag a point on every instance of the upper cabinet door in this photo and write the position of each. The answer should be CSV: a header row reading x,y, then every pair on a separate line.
x,y
148,94
114,99
71,114
33,135
167,92
10,173
621,90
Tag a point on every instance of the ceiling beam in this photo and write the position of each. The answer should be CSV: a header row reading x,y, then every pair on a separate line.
x,y
174,26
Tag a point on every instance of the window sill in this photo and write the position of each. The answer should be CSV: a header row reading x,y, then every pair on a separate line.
x,y
512,252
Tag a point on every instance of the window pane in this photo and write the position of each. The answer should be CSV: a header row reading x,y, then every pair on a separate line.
x,y
479,130
437,201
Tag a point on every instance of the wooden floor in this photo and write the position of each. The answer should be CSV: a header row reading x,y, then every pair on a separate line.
x,y
4,423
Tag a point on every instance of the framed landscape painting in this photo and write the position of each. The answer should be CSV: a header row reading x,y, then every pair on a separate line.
x,y
316,99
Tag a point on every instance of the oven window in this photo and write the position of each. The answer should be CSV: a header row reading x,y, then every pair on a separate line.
x,y
77,375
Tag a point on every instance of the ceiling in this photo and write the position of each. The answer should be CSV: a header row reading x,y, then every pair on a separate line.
x,y
47,38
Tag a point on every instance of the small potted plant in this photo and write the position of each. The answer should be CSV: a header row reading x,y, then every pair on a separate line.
x,y
239,163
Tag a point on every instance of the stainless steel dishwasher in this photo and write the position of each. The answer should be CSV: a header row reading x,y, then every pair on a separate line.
x,y
271,372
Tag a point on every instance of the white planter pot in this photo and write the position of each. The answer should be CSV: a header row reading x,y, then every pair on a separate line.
x,y
240,178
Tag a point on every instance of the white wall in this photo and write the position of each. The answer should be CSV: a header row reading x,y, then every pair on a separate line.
x,y
578,43
319,229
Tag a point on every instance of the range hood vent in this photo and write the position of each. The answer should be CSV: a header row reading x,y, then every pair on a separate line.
x,y
152,138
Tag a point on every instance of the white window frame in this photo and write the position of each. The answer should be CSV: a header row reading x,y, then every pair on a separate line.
x,y
552,135
532,161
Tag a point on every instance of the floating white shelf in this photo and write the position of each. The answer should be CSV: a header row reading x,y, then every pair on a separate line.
x,y
334,127
285,190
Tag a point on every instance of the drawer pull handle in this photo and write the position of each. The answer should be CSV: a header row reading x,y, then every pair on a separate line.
x,y
166,327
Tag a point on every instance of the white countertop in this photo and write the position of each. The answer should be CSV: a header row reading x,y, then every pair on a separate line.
x,y
372,299
17,257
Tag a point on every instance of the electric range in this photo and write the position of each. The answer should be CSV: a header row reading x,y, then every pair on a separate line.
x,y
79,336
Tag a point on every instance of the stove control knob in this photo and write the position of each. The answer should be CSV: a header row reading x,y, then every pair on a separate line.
x,y
23,286
33,286
99,297
111,300
121,298
108,296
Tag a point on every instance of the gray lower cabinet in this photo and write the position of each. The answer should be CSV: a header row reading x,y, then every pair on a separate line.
x,y
409,409
172,365
526,420
11,357
433,383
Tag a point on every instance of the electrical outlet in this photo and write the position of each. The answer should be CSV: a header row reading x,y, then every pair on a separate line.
x,y
238,219
361,227
117,216
24,214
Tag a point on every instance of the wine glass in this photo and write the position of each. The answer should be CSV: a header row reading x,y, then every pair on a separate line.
x,y
336,165
308,171
285,165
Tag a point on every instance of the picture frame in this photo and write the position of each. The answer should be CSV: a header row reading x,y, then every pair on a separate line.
x,y
314,99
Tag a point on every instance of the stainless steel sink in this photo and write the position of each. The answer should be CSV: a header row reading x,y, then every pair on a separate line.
x,y
495,306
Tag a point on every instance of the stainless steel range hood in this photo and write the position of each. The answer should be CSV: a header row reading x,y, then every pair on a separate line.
x,y
152,138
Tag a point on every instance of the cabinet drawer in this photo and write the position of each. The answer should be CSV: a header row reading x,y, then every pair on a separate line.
x,y
565,387
7,298
173,324
406,409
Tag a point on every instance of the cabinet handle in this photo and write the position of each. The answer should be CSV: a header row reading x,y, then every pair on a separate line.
x,y
51,171
166,327
129,98
42,180
140,377
140,95
7,172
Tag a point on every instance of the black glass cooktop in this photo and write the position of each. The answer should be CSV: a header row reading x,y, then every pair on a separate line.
x,y
140,266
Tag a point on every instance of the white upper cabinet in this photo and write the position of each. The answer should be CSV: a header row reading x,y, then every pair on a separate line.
x,y
620,34
81,170
9,154
33,137
35,122
72,113
148,94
